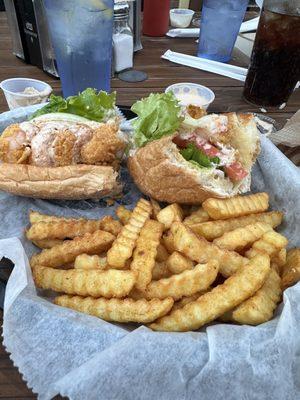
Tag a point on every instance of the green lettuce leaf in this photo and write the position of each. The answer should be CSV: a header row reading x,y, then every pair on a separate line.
x,y
158,116
56,104
197,157
90,104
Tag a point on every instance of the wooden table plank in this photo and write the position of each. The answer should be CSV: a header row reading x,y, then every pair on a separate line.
x,y
161,73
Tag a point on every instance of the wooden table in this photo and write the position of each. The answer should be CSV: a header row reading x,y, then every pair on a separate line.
x,y
161,73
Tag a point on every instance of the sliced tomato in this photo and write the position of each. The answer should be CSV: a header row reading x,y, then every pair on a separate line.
x,y
235,171
207,148
180,142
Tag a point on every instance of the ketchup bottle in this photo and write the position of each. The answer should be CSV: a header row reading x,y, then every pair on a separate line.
x,y
156,17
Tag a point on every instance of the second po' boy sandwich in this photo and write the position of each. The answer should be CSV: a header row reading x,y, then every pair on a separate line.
x,y
178,158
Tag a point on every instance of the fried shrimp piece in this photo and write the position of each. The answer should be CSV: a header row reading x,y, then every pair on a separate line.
x,y
195,111
63,146
14,145
103,146
118,310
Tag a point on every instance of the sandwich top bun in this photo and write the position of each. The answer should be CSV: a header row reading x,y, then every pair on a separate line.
x,y
160,171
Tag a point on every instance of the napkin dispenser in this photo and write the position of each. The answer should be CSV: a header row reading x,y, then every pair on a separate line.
x,y
30,35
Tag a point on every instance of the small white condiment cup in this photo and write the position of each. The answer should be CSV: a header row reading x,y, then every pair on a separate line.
x,y
181,17
13,90
192,93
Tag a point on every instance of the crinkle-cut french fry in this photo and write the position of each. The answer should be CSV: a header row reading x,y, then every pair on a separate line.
x,y
214,229
236,206
271,243
118,310
85,261
197,217
170,214
123,214
240,238
35,216
168,242
291,270
188,299
237,288
71,229
123,246
200,250
184,284
110,283
145,252
260,307
90,243
178,263
47,243
162,253
155,208
160,271
280,258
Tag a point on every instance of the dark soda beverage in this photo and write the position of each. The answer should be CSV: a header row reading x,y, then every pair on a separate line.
x,y
275,61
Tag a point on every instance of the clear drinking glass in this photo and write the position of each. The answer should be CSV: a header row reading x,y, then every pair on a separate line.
x,y
275,61
219,27
81,32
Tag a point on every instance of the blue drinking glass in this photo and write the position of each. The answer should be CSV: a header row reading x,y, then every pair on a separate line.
x,y
81,33
219,27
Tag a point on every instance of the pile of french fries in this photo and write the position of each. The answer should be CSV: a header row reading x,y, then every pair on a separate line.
x,y
173,268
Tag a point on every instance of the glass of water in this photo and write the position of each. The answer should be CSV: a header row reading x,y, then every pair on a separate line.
x,y
220,25
81,33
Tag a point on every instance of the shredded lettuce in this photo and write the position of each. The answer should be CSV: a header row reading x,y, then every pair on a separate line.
x,y
90,104
158,116
197,157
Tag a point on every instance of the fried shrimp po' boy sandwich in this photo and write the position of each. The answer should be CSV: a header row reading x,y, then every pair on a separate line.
x,y
69,149
180,158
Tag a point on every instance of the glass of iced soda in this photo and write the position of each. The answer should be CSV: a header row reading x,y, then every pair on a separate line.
x,y
275,61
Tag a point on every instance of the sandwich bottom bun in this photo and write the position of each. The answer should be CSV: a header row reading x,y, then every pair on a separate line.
x,y
162,173
73,182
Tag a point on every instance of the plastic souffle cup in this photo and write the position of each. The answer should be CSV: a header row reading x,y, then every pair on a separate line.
x,y
13,89
192,94
181,17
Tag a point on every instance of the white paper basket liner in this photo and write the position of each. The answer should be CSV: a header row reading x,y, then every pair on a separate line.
x,y
61,351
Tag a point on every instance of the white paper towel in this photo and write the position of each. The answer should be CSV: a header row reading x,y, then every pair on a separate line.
x,y
62,351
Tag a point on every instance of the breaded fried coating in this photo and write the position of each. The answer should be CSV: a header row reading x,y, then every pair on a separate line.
x,y
195,111
63,147
14,146
103,146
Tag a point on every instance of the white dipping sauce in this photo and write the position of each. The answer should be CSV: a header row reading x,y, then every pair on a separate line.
x,y
186,99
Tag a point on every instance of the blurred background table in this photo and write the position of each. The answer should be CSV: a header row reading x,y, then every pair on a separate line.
x,y
161,73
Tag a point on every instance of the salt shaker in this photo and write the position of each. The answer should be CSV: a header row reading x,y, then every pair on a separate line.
x,y
122,38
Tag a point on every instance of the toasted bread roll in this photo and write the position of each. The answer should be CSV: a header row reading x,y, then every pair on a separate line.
x,y
72,182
